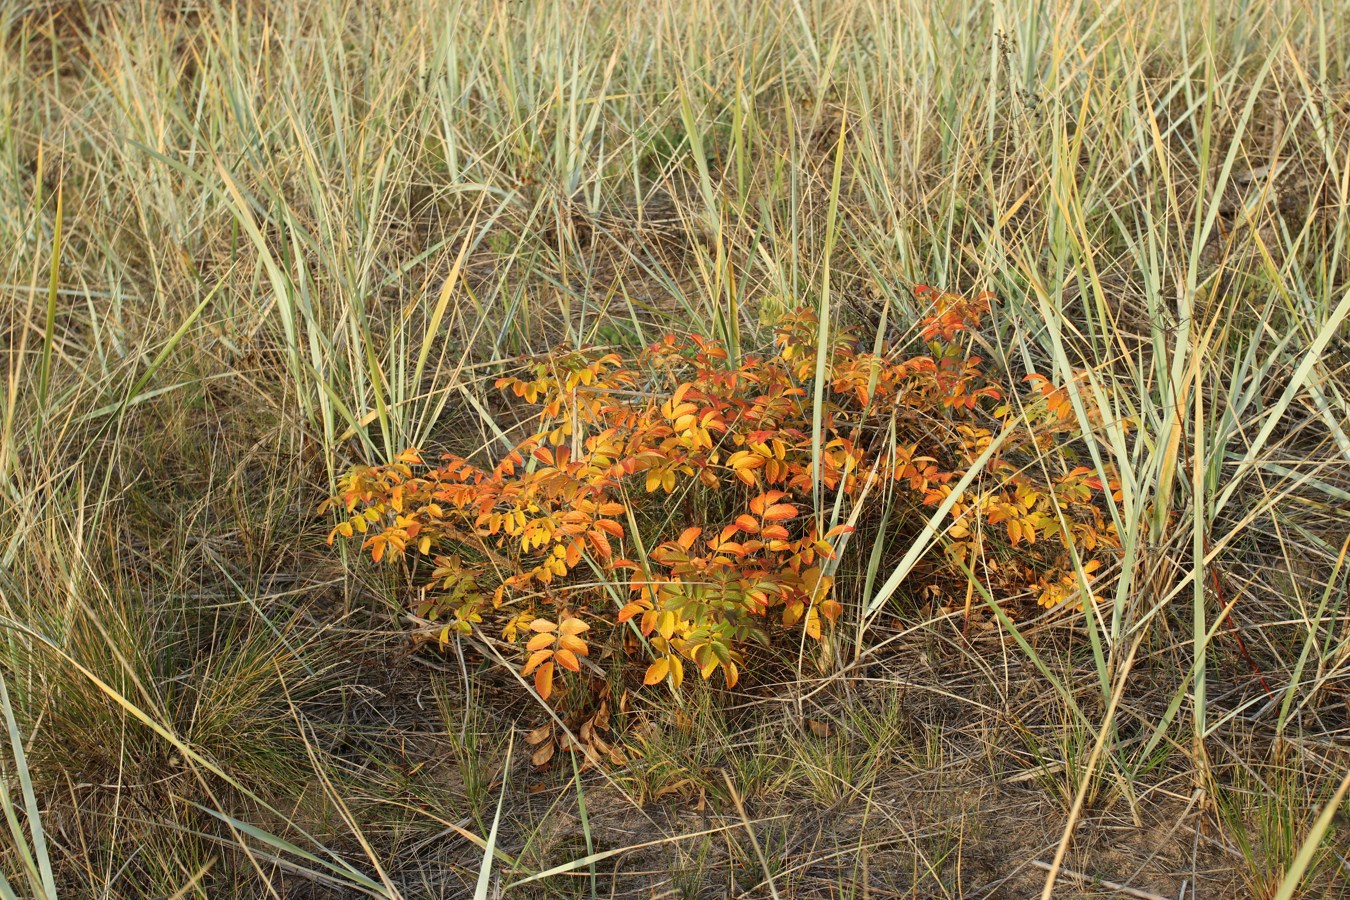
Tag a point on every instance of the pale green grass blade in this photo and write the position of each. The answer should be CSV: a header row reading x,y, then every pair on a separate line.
x,y
1297,382
344,873
585,818
823,331
49,331
188,752
1330,813
1310,642
1064,692
134,395
484,883
47,883
930,530
603,855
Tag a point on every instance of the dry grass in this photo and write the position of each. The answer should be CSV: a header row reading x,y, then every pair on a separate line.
x,y
250,244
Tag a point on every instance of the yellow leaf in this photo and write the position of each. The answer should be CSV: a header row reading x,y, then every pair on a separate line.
x,y
732,674
657,671
573,626
573,643
535,660
540,641
813,623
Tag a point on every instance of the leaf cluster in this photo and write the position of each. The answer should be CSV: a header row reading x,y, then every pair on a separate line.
x,y
693,499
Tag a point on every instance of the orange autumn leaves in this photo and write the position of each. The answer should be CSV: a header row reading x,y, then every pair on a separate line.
x,y
554,644
688,481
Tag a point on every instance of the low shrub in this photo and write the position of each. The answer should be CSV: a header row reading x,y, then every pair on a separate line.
x,y
707,500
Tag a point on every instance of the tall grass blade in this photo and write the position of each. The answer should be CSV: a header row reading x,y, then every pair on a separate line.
x,y
45,884
1308,850
484,883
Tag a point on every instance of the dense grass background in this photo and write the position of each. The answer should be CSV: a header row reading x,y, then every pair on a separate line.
x,y
249,244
